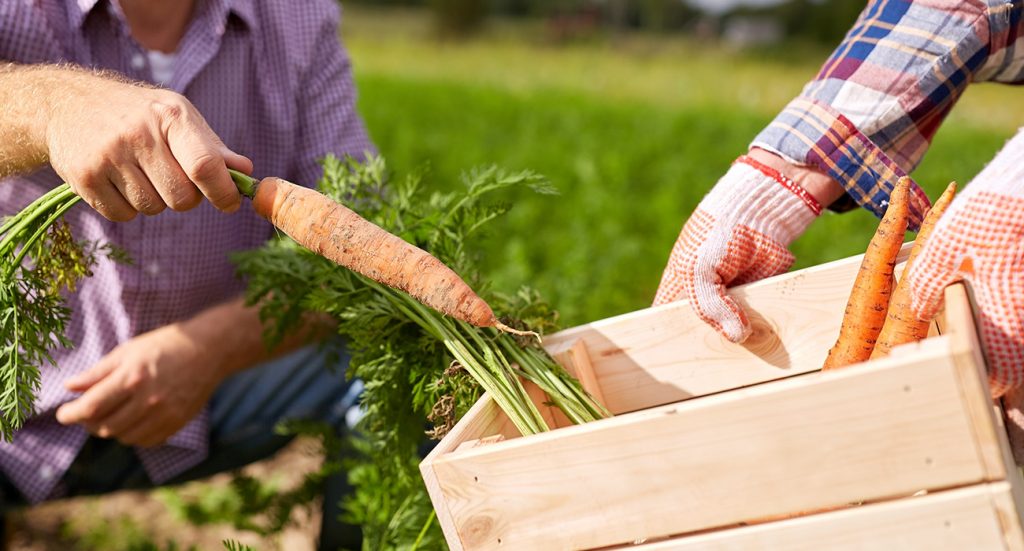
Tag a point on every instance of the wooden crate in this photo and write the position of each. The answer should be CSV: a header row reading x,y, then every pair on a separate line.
x,y
723,446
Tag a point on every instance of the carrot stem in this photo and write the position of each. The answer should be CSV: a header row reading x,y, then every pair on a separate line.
x,y
246,184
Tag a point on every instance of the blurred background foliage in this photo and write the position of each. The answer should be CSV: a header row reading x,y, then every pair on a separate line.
x,y
819,21
632,108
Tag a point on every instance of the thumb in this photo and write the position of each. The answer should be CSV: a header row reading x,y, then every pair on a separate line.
x,y
85,380
934,270
713,304
237,162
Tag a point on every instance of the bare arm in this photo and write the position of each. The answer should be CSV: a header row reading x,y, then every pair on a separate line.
x,y
23,123
123,147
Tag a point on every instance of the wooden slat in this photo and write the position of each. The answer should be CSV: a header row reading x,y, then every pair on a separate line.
x,y
802,444
573,356
479,442
484,419
954,520
666,354
958,318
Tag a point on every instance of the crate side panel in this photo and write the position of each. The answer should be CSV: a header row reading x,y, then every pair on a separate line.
x,y
953,520
666,354
485,418
797,445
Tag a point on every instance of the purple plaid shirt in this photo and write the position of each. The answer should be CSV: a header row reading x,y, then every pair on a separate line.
x,y
273,81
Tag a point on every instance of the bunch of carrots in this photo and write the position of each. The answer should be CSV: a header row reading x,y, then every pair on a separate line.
x,y
878,314
33,315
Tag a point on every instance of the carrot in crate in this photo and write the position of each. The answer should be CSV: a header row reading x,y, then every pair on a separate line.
x,y
869,300
901,325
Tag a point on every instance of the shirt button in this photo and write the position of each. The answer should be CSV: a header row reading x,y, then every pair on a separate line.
x,y
138,61
46,472
153,269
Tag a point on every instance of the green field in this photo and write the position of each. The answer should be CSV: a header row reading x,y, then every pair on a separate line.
x,y
632,129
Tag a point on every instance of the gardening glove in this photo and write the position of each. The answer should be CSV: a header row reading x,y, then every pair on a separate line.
x,y
980,240
739,233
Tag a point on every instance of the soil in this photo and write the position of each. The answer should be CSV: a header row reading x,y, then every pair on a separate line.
x,y
121,520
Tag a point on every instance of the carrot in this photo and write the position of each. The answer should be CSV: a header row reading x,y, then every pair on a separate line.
x,y
335,232
901,325
869,300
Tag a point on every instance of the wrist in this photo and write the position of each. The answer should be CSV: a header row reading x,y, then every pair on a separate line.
x,y
228,336
819,185
760,200
26,92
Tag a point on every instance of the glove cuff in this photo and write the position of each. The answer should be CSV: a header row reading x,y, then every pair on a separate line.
x,y
783,181
762,200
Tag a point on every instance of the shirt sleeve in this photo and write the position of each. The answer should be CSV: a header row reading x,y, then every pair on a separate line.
x,y
27,34
870,114
329,122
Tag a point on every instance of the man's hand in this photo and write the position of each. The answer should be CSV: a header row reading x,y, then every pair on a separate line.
x,y
124,148
739,234
146,389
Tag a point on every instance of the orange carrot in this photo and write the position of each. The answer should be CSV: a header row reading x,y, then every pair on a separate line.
x,y
333,231
869,300
901,325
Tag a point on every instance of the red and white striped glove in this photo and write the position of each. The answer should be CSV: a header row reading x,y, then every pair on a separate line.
x,y
980,240
739,233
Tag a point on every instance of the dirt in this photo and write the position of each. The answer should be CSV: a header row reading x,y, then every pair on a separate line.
x,y
118,520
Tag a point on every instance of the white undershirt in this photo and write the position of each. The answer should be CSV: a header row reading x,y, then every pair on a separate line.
x,y
162,66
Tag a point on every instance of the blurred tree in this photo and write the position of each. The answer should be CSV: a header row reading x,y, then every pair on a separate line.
x,y
820,21
458,18
665,15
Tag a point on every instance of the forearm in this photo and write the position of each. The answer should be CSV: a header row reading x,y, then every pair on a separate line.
x,y
231,334
868,117
25,105
33,96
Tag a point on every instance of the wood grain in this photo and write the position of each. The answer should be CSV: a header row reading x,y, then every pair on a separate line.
x,y
666,354
806,443
954,520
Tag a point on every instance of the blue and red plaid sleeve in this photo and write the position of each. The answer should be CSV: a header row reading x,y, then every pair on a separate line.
x,y
870,114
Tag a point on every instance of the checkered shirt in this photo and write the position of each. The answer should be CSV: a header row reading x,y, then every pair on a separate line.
x,y
871,112
273,81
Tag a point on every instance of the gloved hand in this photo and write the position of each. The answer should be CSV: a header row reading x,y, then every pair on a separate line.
x,y
739,233
980,240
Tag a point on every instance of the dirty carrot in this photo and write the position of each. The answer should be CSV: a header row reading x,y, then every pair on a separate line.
x,y
335,232
901,325
869,300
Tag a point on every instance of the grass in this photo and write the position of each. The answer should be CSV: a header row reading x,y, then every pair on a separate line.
x,y
632,129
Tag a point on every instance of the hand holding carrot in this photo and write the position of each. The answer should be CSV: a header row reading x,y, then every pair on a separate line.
x,y
980,240
125,148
